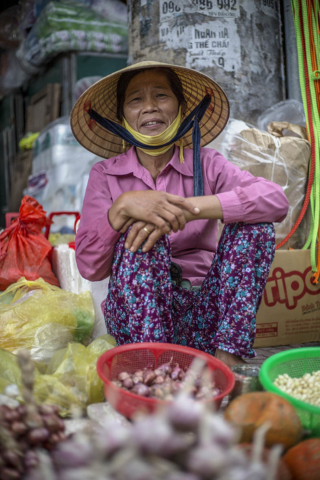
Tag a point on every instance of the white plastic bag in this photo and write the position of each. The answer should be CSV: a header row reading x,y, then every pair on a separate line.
x,y
290,111
65,267
59,166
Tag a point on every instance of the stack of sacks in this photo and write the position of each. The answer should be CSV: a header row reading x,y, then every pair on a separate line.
x,y
282,156
66,26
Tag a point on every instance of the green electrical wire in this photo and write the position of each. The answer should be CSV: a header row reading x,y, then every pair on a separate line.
x,y
316,127
315,192
296,18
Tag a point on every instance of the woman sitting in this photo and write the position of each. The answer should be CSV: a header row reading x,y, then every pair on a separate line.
x,y
150,214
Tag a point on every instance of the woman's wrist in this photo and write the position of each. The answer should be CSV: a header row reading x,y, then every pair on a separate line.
x,y
116,214
209,206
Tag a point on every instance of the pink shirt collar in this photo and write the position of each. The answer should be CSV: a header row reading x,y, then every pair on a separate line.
x,y
128,162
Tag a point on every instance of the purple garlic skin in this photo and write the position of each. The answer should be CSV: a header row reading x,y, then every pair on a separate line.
x,y
137,379
170,377
72,454
141,389
127,383
175,373
159,379
157,392
123,376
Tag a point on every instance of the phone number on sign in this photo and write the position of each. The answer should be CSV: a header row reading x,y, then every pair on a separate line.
x,y
213,8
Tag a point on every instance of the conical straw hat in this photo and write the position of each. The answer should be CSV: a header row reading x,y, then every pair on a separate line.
x,y
102,97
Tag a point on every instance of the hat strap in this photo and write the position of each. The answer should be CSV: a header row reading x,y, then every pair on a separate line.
x,y
160,139
191,121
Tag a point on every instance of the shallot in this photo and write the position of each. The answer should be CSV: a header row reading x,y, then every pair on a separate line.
x,y
166,381
25,428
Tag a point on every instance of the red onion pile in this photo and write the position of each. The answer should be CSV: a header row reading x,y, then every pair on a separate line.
x,y
26,428
22,430
165,382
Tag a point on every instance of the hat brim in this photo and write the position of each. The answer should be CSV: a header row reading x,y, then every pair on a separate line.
x,y
102,97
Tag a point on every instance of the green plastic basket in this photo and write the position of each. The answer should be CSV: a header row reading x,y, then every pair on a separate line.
x,y
294,363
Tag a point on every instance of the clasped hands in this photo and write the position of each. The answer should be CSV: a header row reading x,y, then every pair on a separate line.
x,y
159,213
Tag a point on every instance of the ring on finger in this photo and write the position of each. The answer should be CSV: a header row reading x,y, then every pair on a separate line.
x,y
148,232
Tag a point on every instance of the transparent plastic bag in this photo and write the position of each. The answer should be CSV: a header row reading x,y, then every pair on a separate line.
x,y
281,159
71,378
57,181
10,373
290,111
43,318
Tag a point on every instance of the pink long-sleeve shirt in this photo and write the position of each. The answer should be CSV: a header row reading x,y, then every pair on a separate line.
x,y
243,198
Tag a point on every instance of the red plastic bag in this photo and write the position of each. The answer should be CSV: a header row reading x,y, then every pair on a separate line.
x,y
24,249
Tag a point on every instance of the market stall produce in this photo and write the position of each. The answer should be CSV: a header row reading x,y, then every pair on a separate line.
x,y
306,388
252,410
166,381
288,374
185,441
150,367
182,440
303,460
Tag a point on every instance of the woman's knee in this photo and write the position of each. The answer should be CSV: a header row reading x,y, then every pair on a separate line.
x,y
125,261
242,239
256,231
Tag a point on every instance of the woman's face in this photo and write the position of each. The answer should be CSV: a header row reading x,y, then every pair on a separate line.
x,y
150,106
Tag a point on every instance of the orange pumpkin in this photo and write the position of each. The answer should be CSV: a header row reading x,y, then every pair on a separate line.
x,y
251,410
303,460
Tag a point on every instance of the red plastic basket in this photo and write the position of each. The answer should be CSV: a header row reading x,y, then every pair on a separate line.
x,y
136,356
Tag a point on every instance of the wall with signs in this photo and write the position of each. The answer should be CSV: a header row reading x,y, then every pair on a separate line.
x,y
236,42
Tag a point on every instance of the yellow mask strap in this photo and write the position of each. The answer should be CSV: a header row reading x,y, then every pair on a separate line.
x,y
158,140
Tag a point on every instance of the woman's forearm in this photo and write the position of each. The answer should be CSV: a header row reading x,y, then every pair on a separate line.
x,y
209,206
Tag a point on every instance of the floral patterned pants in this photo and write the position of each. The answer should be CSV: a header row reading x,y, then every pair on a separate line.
x,y
144,306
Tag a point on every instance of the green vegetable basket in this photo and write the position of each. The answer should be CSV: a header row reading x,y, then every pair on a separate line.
x,y
294,363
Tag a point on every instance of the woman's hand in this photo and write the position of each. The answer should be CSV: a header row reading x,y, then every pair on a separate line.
x,y
141,231
161,209
208,206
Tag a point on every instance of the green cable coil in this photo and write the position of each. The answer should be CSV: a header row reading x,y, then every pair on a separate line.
x,y
308,77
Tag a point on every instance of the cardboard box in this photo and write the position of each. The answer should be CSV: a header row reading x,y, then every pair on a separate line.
x,y
290,309
22,166
43,108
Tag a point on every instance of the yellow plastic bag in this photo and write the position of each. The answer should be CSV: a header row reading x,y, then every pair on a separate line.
x,y
43,318
10,372
71,378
